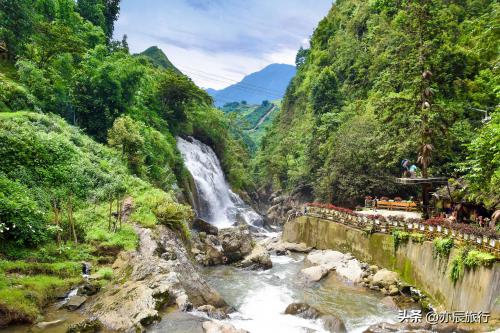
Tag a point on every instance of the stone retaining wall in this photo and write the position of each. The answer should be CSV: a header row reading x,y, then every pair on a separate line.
x,y
476,290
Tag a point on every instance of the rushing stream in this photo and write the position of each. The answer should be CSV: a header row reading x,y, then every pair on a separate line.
x,y
262,296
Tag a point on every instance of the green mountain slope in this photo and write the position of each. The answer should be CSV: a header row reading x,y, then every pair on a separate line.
x,y
360,101
252,119
158,58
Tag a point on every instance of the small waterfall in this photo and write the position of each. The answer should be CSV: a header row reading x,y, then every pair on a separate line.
x,y
218,204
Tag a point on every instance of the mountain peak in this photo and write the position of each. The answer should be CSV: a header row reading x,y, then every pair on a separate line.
x,y
158,58
269,83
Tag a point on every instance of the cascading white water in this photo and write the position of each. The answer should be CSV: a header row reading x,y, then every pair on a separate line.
x,y
218,204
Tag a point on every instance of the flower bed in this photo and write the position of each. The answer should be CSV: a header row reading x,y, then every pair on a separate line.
x,y
431,228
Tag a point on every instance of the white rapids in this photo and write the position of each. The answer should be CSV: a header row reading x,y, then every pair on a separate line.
x,y
219,205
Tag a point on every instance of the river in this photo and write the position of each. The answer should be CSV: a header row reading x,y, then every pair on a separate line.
x,y
260,297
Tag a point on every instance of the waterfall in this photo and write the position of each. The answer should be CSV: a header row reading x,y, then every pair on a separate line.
x,y
218,204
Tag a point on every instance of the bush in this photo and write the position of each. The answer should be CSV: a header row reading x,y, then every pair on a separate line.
x,y
175,216
399,237
442,247
105,273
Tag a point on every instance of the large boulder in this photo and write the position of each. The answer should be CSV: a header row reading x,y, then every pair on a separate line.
x,y
259,258
236,242
201,225
220,327
344,264
314,273
213,251
302,310
277,246
75,302
331,323
385,278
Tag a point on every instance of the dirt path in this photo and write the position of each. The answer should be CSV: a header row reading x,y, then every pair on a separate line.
x,y
263,118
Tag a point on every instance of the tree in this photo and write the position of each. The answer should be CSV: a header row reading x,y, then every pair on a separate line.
x,y
125,134
16,24
301,57
102,13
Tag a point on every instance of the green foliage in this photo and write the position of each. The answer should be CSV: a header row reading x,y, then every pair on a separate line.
x,y
442,247
105,273
417,237
175,216
482,167
477,258
362,77
457,264
399,237
61,269
468,258
26,287
158,58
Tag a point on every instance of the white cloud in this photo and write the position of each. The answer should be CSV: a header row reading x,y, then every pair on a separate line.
x,y
225,38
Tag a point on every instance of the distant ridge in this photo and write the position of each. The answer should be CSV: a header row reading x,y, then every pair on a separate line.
x,y
158,58
270,83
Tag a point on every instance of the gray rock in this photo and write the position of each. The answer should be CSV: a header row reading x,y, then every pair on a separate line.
x,y
385,278
178,322
303,310
333,324
259,258
75,302
213,312
220,327
236,242
389,302
201,225
393,290
88,289
146,283
314,273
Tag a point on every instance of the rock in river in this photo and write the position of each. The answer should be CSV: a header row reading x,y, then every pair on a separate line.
x,y
258,259
314,273
220,327
343,264
236,242
75,302
331,323
385,278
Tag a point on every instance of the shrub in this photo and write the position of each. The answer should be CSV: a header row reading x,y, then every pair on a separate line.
x,y
175,216
442,247
105,273
399,237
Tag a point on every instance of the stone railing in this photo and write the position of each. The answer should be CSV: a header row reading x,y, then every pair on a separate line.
x,y
377,223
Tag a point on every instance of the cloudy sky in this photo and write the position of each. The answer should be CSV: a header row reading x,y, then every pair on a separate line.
x,y
217,42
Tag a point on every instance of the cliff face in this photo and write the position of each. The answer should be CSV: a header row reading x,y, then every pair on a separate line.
x,y
476,290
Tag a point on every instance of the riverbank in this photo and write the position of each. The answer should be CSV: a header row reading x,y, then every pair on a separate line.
x,y
415,261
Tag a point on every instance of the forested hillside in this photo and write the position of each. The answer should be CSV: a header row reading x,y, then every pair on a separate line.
x,y
158,58
386,80
252,119
86,130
